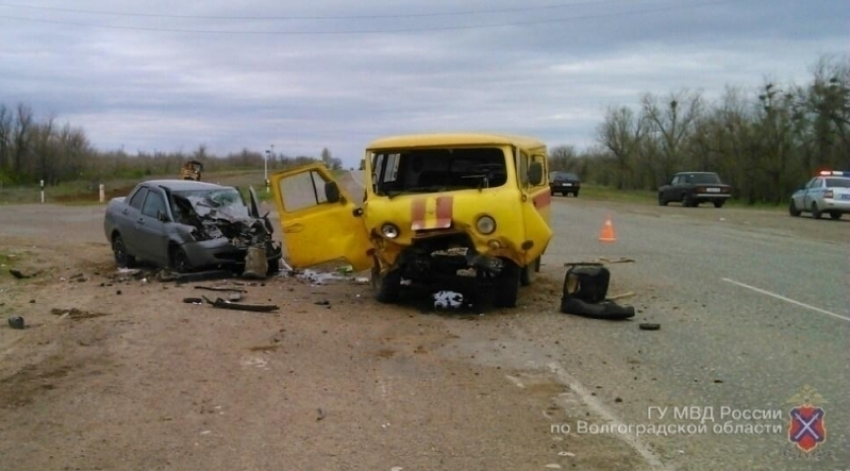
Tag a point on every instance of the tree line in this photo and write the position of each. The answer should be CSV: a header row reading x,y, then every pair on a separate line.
x,y
33,150
765,143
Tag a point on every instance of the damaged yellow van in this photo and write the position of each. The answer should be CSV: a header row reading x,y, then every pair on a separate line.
x,y
444,209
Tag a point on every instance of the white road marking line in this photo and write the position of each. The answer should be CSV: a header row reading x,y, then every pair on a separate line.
x,y
356,180
651,458
783,298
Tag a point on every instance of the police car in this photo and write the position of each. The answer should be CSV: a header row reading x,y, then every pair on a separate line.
x,y
828,192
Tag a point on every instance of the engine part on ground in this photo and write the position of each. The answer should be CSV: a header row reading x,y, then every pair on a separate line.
x,y
586,282
604,310
256,264
16,322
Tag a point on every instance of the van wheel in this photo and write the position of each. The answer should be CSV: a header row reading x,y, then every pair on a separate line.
x,y
507,284
386,287
529,272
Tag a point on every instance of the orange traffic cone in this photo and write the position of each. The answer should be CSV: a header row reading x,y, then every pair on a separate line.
x,y
607,233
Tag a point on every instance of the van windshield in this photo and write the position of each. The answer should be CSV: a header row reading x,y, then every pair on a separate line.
x,y
437,170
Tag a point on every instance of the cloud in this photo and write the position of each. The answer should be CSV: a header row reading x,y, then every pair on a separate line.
x,y
253,78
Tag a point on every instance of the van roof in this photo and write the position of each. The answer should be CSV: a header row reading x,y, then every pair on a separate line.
x,y
453,139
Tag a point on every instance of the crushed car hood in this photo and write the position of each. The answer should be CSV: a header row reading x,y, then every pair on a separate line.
x,y
234,222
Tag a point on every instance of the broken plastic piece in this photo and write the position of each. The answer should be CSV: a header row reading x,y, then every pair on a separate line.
x,y
224,304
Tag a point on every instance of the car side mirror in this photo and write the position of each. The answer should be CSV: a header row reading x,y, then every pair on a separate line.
x,y
332,192
535,173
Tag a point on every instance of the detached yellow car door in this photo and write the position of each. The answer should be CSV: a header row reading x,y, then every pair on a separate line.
x,y
317,219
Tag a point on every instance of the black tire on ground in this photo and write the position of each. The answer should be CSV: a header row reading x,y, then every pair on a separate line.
x,y
835,215
386,287
815,211
575,194
529,272
661,200
688,201
507,285
119,249
718,203
792,209
179,260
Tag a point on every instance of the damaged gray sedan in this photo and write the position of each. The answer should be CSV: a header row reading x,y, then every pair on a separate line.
x,y
186,225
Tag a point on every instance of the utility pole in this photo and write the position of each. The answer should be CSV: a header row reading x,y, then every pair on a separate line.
x,y
266,167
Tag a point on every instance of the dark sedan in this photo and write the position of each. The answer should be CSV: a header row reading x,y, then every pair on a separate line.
x,y
564,183
184,225
693,188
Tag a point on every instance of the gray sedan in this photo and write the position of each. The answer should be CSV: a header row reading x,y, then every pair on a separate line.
x,y
184,225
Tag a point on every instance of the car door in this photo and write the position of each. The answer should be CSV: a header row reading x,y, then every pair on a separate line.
x,y
150,228
536,203
812,192
317,219
126,221
669,191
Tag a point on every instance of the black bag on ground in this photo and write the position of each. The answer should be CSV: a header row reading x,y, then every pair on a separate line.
x,y
584,292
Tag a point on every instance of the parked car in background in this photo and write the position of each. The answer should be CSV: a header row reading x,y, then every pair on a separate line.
x,y
829,192
564,183
693,188
184,225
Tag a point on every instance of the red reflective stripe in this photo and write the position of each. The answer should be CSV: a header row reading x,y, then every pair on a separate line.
x,y
444,211
417,213
542,200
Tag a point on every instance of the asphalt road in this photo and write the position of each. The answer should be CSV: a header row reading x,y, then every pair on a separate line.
x,y
749,316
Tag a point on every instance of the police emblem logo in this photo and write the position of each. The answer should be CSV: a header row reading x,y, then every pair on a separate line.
x,y
807,427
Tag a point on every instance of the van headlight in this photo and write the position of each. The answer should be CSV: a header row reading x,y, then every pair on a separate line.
x,y
486,225
389,231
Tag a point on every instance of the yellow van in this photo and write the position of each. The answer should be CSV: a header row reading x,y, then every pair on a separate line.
x,y
436,209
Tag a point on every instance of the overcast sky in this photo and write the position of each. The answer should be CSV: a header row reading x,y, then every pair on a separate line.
x,y
160,75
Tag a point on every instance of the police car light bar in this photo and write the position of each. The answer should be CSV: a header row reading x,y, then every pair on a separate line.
x,y
837,173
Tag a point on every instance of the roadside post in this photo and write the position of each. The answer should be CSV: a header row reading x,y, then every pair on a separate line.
x,y
42,190
102,193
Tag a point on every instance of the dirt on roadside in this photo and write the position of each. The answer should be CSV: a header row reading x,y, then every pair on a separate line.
x,y
116,371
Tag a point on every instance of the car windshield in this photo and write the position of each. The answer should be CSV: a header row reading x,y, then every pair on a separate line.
x,y
564,176
702,178
217,202
435,170
838,182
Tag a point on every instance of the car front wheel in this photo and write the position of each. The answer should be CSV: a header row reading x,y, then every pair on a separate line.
x,y
792,209
180,260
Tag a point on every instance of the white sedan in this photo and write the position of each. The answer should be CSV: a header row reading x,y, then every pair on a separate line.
x,y
829,193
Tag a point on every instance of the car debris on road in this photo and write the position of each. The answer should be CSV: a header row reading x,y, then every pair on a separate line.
x,y
585,293
225,304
